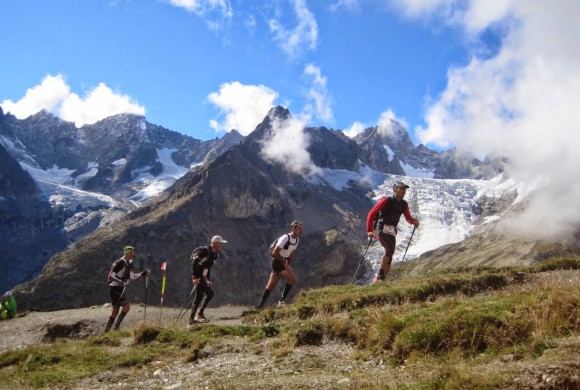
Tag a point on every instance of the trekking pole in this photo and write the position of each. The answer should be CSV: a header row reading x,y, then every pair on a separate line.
x,y
361,260
186,303
149,258
121,295
404,254
146,285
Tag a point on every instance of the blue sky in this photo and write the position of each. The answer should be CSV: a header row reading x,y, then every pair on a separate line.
x,y
351,61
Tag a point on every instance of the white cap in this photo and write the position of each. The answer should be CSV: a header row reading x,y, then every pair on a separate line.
x,y
218,239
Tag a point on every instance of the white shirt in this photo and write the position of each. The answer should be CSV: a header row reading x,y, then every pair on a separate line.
x,y
291,248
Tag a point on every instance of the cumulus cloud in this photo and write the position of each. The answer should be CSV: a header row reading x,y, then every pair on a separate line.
x,y
244,106
288,146
522,101
318,99
304,36
215,13
53,94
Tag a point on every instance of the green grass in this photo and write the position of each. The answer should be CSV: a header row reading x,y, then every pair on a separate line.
x,y
454,317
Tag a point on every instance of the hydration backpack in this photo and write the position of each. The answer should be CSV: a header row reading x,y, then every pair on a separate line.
x,y
389,214
125,271
273,244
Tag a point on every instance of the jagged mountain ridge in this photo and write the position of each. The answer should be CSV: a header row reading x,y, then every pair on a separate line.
x,y
388,148
70,172
112,149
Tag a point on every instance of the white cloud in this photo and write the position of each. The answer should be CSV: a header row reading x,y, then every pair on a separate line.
x,y
48,95
288,146
521,102
386,125
318,99
425,8
215,13
303,36
54,95
355,129
244,106
346,4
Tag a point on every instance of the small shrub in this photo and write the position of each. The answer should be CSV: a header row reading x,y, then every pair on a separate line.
x,y
309,334
145,334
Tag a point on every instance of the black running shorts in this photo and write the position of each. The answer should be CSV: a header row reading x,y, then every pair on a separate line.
x,y
388,242
115,292
277,266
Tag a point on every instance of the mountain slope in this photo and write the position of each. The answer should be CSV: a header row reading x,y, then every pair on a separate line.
x,y
240,196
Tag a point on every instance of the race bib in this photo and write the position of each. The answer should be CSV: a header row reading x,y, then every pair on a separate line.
x,y
389,229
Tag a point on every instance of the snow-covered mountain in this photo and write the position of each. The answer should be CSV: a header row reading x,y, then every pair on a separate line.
x,y
388,148
81,179
94,175
249,195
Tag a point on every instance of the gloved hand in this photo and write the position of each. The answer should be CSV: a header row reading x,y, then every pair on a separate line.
x,y
125,283
146,272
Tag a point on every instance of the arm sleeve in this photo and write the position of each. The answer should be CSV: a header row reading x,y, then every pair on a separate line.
x,y
373,213
407,214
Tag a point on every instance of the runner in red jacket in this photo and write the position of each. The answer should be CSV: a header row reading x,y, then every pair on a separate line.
x,y
387,213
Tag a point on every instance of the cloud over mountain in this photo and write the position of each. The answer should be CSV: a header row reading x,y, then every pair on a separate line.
x,y
54,95
520,101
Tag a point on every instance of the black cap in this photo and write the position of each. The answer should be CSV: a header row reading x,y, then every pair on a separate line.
x,y
400,184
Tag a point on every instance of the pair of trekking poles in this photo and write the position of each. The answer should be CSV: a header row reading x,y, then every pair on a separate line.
x,y
187,305
181,312
367,248
146,288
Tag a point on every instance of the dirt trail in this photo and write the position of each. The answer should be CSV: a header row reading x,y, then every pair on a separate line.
x,y
32,327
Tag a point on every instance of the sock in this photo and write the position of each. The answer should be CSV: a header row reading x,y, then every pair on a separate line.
x,y
287,288
265,296
109,324
120,319
193,311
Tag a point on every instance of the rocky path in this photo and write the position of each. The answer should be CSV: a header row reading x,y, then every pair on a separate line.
x,y
34,327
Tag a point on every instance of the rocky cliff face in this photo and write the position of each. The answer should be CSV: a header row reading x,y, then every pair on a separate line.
x,y
23,214
14,181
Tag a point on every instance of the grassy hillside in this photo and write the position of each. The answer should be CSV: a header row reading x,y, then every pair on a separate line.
x,y
467,328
